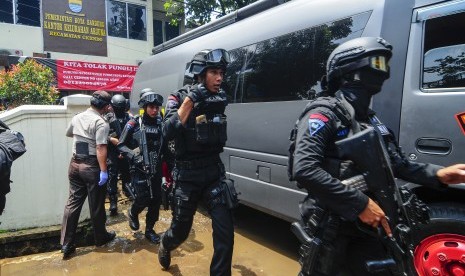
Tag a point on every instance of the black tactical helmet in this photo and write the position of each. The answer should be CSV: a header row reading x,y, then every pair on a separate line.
x,y
145,90
118,102
150,98
370,52
217,58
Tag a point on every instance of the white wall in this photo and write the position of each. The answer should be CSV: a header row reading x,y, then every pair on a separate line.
x,y
120,51
40,177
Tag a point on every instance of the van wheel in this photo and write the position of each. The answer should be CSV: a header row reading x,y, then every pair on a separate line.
x,y
440,245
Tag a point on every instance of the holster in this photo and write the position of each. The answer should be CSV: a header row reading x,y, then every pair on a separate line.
x,y
311,244
130,189
229,193
309,256
317,235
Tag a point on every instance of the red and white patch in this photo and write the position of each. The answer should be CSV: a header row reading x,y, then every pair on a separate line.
x,y
319,116
130,124
172,102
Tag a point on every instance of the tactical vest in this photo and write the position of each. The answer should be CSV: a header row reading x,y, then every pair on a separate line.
x,y
344,123
206,127
153,132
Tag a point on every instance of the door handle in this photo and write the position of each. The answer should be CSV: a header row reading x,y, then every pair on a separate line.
x,y
436,146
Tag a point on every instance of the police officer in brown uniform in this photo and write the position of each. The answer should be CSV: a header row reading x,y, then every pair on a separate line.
x,y
87,172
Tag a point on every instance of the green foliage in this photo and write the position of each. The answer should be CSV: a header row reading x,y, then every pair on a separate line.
x,y
28,83
199,12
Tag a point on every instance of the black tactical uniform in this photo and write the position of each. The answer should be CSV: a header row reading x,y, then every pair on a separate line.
x,y
316,166
146,193
11,147
117,120
198,168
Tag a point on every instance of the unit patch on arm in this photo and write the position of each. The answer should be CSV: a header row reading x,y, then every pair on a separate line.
x,y
173,102
316,122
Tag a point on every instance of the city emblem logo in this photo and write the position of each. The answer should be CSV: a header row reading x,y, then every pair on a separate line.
x,y
75,5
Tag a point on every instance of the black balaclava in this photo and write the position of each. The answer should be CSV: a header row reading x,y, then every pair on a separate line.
x,y
358,89
119,112
357,95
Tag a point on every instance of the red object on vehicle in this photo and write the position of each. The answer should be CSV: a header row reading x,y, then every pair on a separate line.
x,y
441,255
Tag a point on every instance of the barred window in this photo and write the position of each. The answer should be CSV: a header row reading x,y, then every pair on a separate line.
x,y
21,12
126,20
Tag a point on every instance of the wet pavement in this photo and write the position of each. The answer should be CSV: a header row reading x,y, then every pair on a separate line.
x,y
263,246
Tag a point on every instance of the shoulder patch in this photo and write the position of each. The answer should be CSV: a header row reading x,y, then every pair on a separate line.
x,y
319,116
172,102
131,124
316,122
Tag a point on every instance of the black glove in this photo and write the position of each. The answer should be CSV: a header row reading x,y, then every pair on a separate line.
x,y
198,94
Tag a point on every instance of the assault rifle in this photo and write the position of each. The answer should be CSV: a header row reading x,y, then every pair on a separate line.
x,y
149,158
368,152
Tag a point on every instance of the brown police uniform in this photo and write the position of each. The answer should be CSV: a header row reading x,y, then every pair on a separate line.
x,y
88,130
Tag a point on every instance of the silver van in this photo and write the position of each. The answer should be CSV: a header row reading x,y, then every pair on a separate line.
x,y
278,59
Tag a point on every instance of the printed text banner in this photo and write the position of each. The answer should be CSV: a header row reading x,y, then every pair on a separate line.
x,y
78,75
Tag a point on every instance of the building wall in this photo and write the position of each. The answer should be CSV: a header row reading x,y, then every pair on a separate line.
x,y
40,177
29,40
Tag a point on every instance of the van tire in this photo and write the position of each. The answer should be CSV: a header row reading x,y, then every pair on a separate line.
x,y
447,218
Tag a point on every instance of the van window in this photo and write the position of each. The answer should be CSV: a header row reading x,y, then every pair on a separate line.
x,y
287,67
444,54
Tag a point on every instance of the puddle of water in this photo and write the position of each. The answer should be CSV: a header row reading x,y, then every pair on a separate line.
x,y
131,254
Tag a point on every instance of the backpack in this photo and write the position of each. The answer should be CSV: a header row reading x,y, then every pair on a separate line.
x,y
332,103
11,147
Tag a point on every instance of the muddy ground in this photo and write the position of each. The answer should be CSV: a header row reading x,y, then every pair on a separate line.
x,y
263,246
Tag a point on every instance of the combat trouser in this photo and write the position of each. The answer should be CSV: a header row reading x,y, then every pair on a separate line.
x,y
194,185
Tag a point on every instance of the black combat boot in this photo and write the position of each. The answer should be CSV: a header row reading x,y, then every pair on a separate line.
x,y
149,226
68,250
108,238
113,205
152,236
164,255
133,220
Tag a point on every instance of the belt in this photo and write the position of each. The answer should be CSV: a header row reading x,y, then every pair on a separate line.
x,y
84,157
198,163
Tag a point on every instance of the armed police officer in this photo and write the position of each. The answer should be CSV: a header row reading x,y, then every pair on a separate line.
x,y
195,120
142,144
356,71
116,163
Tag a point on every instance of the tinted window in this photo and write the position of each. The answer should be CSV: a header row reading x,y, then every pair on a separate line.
x,y
6,11
116,19
137,22
28,12
444,56
288,67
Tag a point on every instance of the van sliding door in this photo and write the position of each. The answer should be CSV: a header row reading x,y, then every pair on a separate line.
x,y
433,107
